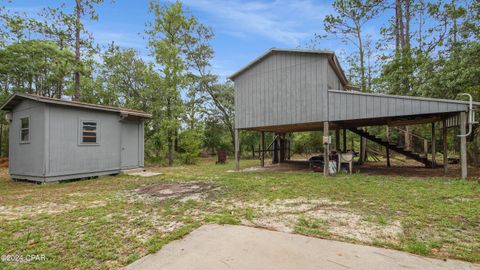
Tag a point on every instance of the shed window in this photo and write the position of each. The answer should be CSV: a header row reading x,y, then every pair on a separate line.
x,y
89,132
25,129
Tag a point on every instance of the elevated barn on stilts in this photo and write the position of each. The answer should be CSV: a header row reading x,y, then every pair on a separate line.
x,y
288,90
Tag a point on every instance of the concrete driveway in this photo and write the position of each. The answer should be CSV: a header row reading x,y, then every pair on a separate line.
x,y
238,247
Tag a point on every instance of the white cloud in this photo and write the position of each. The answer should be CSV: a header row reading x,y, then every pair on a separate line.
x,y
285,22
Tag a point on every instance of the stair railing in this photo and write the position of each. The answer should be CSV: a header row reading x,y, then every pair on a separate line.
x,y
425,140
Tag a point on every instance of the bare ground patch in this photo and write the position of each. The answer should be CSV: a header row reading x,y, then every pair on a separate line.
x,y
339,222
51,208
182,191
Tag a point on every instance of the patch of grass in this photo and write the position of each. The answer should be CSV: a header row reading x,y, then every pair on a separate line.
x,y
158,241
100,224
249,214
132,257
419,248
222,218
312,227
379,219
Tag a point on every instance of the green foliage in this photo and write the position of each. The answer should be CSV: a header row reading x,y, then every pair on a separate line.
x,y
192,111
190,142
347,24
307,142
177,40
216,136
35,66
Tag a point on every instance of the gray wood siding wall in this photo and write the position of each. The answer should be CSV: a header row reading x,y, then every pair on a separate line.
x,y
27,159
332,79
284,88
350,106
67,156
132,144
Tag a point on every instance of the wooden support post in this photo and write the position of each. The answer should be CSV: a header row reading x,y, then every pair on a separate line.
x,y
262,148
363,149
289,148
463,144
275,149
282,147
406,139
337,140
434,151
344,134
326,149
237,150
425,148
388,149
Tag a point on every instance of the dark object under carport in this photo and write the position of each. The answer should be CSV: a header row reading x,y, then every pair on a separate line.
x,y
222,156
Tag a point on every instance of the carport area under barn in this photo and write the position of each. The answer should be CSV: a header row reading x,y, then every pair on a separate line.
x,y
286,91
405,168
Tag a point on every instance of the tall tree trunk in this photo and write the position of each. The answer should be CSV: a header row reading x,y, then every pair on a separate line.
x,y
60,83
420,27
170,148
455,27
401,27
76,93
398,21
1,139
362,59
363,141
170,134
407,24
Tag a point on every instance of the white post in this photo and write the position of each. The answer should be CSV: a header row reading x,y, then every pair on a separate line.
x,y
326,150
237,151
463,144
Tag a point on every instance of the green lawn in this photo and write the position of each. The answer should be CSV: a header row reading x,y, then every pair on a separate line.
x,y
104,223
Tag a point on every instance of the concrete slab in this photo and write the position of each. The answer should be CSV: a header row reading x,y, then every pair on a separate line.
x,y
141,172
217,247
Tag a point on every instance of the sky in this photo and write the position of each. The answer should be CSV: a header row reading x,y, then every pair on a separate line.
x,y
243,29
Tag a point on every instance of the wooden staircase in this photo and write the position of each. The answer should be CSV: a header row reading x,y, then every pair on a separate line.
x,y
392,146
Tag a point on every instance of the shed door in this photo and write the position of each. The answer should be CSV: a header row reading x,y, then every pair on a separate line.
x,y
130,144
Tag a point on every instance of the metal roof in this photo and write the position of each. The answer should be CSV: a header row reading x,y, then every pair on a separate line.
x,y
16,98
463,102
331,58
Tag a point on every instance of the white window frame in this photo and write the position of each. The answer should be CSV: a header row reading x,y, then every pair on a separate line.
x,y
80,133
27,128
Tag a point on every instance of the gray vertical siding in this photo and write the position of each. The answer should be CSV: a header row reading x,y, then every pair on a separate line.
x,y
54,150
353,105
142,143
27,159
292,87
131,146
67,156
283,88
332,79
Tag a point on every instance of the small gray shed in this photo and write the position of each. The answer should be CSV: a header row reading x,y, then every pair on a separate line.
x,y
52,139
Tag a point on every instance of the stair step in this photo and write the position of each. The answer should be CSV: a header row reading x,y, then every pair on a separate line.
x,y
393,146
